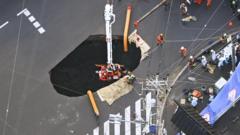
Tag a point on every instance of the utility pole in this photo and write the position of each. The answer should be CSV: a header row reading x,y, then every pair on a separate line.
x,y
161,88
233,57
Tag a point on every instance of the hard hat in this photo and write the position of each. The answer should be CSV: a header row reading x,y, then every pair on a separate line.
x,y
182,48
161,34
212,50
191,57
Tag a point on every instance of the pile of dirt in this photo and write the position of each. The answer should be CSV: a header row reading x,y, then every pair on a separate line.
x,y
76,73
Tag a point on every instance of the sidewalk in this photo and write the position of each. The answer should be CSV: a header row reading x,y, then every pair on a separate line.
x,y
183,79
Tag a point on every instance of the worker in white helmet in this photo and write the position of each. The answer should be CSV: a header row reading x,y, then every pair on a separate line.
x,y
191,62
183,51
204,61
213,56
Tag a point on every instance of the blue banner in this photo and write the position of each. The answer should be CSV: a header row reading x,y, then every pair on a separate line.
x,y
228,95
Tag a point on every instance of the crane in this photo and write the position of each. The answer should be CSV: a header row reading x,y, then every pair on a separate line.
x,y
110,71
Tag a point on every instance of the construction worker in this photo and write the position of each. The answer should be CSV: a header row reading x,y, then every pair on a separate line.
x,y
183,51
136,24
204,61
191,62
234,5
131,78
213,56
238,37
184,9
199,2
160,39
224,38
209,3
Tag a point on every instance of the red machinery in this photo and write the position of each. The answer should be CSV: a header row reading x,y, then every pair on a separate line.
x,y
110,72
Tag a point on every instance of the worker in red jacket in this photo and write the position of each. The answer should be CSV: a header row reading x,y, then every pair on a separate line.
x,y
199,2
183,51
160,39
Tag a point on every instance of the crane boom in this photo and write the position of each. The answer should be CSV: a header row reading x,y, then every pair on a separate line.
x,y
109,20
110,71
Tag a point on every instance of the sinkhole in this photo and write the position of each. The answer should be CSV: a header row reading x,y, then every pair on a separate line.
x,y
76,73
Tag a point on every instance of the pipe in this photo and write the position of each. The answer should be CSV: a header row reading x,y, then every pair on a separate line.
x,y
93,102
127,22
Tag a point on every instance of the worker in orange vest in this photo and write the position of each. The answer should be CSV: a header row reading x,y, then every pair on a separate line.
x,y
199,2
183,51
160,39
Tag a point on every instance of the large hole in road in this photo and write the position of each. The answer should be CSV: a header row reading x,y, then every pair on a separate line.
x,y
76,73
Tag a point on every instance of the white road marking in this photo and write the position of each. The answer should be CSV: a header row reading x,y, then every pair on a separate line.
x,y
36,24
41,30
127,121
148,99
21,12
26,13
127,118
96,131
31,18
4,24
117,125
106,128
138,117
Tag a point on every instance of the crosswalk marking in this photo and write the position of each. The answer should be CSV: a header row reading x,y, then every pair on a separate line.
x,y
21,12
148,106
26,13
106,128
31,18
138,117
127,121
117,125
96,131
36,24
41,30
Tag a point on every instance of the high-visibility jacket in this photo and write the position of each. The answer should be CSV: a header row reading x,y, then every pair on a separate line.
x,y
199,2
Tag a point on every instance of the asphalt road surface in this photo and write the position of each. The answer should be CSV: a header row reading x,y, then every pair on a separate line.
x,y
28,103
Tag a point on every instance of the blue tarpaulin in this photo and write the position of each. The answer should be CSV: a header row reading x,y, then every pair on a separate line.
x,y
228,95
